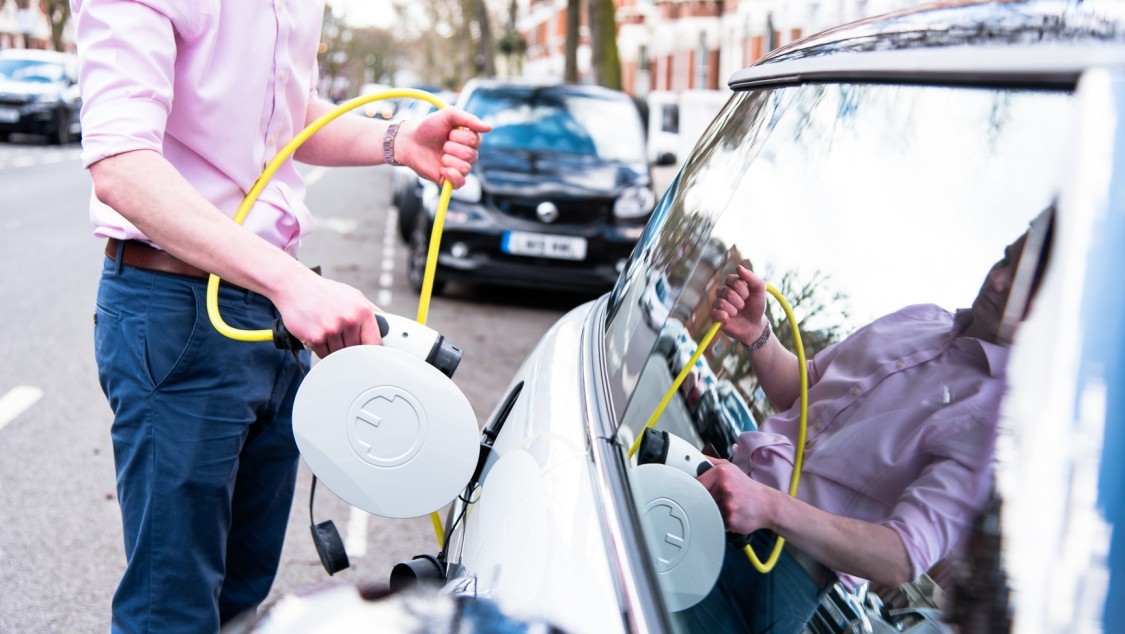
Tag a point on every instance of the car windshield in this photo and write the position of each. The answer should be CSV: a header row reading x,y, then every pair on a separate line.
x,y
32,71
854,201
560,121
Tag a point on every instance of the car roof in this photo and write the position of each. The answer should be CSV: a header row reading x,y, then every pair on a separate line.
x,y
1045,43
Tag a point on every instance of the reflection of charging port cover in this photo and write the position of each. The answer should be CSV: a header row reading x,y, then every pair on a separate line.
x,y
683,531
385,431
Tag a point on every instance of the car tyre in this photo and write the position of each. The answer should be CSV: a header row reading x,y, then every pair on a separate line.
x,y
419,249
409,206
61,133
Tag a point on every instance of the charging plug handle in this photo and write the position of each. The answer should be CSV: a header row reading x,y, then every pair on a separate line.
x,y
330,547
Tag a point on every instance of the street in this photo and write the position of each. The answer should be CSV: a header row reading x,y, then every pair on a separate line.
x,y
61,548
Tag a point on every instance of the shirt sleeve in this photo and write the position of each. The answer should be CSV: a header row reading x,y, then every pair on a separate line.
x,y
127,53
933,513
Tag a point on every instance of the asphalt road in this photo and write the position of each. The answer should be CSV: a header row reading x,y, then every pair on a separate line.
x,y
60,537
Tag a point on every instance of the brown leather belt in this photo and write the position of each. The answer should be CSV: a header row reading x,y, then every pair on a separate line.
x,y
141,256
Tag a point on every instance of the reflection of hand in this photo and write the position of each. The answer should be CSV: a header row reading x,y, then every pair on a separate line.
x,y
441,146
740,305
743,502
326,315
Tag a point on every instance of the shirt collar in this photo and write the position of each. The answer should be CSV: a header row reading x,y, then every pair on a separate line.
x,y
995,355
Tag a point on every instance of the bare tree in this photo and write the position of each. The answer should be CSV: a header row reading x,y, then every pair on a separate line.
x,y
58,14
486,48
573,13
605,63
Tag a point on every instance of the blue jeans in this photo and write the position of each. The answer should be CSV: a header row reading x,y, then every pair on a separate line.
x,y
745,600
203,445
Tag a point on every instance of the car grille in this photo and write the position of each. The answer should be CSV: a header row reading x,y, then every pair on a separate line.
x,y
13,99
582,211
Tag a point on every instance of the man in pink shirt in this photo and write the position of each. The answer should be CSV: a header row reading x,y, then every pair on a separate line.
x,y
184,104
902,425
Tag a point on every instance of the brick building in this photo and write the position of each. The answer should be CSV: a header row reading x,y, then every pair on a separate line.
x,y
683,45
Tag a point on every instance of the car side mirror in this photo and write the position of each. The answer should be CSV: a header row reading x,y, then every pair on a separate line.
x,y
666,158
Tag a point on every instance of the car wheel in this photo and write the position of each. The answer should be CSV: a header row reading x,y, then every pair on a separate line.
x,y
61,134
408,207
419,249
4,136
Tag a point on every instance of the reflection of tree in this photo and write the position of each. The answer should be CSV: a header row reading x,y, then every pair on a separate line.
x,y
821,313
813,303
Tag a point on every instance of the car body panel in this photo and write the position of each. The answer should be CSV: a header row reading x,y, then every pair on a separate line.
x,y
534,534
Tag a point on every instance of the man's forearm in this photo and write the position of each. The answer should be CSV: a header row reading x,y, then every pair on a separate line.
x,y
144,188
778,373
346,141
855,547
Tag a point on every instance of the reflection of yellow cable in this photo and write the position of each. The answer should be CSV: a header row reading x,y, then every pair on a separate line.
x,y
260,184
802,428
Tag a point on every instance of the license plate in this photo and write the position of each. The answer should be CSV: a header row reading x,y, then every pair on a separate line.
x,y
9,115
544,245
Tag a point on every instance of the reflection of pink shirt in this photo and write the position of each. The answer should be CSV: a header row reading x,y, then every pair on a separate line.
x,y
216,87
902,425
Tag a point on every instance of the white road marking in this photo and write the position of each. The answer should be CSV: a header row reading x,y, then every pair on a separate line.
x,y
26,156
386,276
314,175
17,401
356,541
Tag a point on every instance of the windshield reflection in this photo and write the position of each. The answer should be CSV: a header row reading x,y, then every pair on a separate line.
x,y
867,207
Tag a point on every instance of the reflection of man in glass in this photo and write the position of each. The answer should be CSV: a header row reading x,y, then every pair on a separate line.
x,y
901,428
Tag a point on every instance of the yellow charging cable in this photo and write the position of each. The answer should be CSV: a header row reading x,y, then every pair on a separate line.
x,y
798,463
260,184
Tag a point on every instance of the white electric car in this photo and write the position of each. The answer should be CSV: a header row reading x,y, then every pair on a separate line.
x,y
875,166
872,167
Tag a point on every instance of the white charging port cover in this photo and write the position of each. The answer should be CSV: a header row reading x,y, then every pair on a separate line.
x,y
683,531
385,431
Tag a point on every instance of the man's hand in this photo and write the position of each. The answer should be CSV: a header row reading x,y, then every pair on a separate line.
x,y
441,146
326,315
740,305
745,504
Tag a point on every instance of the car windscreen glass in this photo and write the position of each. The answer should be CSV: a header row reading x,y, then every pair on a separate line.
x,y
855,202
562,122
31,71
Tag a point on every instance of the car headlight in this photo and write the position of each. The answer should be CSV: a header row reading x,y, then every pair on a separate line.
x,y
634,202
45,98
470,192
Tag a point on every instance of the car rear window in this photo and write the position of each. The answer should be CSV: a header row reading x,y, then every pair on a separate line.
x,y
854,200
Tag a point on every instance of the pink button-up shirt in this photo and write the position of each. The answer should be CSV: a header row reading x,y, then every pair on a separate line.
x,y
901,429
216,87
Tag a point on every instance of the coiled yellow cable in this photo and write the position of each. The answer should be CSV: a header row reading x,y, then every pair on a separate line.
x,y
271,169
798,463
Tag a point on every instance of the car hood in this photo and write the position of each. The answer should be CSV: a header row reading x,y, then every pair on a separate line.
x,y
515,172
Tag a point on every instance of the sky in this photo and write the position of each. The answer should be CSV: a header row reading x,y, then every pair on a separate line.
x,y
365,12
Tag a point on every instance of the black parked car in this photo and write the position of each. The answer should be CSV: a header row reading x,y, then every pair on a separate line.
x,y
559,195
39,94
